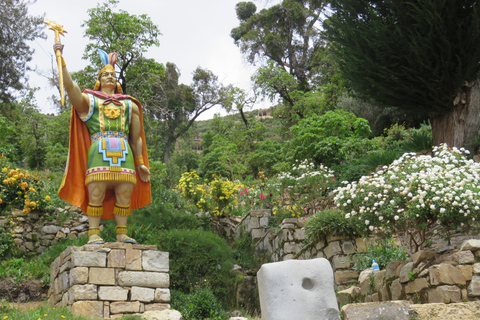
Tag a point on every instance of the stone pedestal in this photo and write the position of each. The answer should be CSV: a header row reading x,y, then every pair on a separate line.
x,y
109,280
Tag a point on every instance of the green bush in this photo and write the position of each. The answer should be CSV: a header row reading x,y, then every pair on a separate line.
x,y
199,258
329,222
383,252
201,304
6,244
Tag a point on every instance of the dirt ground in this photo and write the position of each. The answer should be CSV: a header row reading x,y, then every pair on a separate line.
x,y
22,291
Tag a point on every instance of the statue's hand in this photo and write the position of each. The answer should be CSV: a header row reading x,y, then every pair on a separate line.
x,y
58,46
143,173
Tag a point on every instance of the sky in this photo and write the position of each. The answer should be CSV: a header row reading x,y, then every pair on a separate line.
x,y
194,33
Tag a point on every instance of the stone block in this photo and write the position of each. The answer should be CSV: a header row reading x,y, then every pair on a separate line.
x,y
345,277
347,247
378,279
82,292
405,272
142,294
50,229
297,289
116,259
361,244
102,276
133,259
473,289
54,268
476,268
463,257
79,275
263,222
162,295
348,295
88,309
261,212
422,255
89,259
254,223
391,269
416,285
340,262
472,245
112,293
157,307
445,274
466,271
396,290
392,310
332,249
125,307
291,247
143,279
155,261
258,233
445,294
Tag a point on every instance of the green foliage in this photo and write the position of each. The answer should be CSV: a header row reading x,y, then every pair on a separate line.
x,y
199,258
201,304
329,222
43,312
243,250
56,157
383,252
6,244
415,55
19,29
329,139
420,140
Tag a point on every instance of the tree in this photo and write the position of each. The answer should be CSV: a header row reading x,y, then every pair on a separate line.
x,y
420,55
288,37
186,103
126,34
17,28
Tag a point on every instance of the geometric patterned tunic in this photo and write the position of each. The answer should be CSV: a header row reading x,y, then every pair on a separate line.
x,y
110,157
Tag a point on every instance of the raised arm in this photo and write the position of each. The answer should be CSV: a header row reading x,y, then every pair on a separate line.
x,y
136,144
78,99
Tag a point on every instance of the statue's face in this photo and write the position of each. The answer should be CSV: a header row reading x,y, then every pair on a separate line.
x,y
108,79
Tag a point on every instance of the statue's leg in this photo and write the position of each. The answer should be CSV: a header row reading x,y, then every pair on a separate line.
x,y
96,193
123,193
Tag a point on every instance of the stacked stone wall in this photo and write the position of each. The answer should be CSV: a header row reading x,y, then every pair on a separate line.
x,y
450,273
36,231
111,280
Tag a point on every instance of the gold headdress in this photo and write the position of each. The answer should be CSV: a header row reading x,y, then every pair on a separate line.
x,y
109,61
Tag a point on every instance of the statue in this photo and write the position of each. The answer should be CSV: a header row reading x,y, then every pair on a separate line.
x,y
107,173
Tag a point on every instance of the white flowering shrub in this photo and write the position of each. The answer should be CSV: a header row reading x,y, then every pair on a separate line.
x,y
415,193
305,183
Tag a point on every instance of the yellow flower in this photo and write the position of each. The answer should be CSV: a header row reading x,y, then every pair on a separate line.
x,y
1,201
6,317
5,170
63,316
47,198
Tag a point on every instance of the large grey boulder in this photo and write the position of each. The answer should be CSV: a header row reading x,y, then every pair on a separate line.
x,y
297,289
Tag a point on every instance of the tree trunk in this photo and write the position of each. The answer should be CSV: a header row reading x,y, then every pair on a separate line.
x,y
168,146
460,126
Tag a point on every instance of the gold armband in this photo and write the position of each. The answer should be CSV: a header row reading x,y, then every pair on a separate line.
x,y
139,160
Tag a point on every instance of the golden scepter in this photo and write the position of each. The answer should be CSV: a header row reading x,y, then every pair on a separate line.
x,y
58,29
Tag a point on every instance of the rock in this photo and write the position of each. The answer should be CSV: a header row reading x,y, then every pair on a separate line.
x,y
463,257
392,310
472,245
392,267
297,289
155,261
453,311
52,229
444,294
162,315
348,295
89,309
405,272
473,289
421,256
445,274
